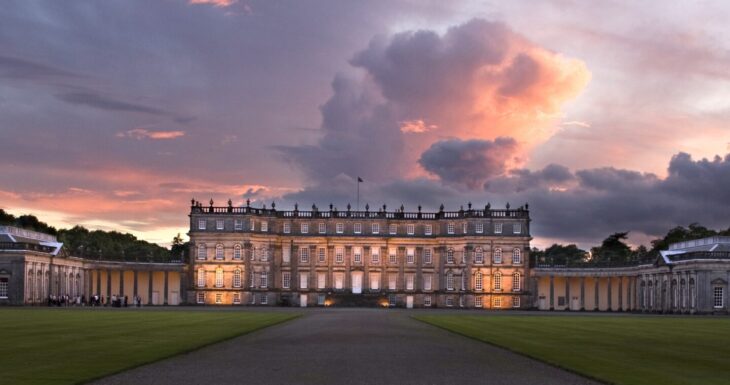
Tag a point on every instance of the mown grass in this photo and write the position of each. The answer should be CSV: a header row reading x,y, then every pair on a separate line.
x,y
614,349
57,346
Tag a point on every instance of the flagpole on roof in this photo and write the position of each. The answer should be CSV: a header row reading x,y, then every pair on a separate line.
x,y
359,180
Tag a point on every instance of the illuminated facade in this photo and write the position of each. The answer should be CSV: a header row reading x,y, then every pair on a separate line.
x,y
473,258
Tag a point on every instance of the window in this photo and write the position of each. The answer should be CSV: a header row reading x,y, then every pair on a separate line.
x,y
449,281
4,287
375,255
321,280
322,228
375,228
427,256
264,280
450,228
201,277
263,299
498,255
410,281
236,298
339,280
479,255
392,300
287,228
237,278
480,228
374,281
450,256
463,281
219,251
497,281
392,281
252,225
393,229
718,296
427,300
516,302
449,301
264,254
516,284
219,224
201,224
498,228
358,228
202,252
304,227
478,301
340,228
392,256
339,255
236,251
410,255
303,280
478,281
286,280
428,230
200,297
264,226
286,254
410,229
304,254
252,279
497,302
427,282
238,224
464,228
252,299
517,228
516,256
320,299
322,255
357,255
219,277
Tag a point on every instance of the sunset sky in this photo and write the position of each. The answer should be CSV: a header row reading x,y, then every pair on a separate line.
x,y
114,114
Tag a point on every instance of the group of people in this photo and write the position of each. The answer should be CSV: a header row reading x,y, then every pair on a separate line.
x,y
94,300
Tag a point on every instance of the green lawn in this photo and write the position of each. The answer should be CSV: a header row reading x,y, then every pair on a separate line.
x,y
614,349
57,346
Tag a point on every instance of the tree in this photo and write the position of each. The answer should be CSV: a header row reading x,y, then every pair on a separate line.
x,y
612,250
177,251
681,234
564,254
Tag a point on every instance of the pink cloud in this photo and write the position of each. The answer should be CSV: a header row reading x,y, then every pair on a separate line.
x,y
142,133
215,3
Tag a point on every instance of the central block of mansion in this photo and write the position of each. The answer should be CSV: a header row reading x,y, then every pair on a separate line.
x,y
465,258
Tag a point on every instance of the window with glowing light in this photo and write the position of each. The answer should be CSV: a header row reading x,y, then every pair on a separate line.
x,y
219,277
410,255
237,278
201,277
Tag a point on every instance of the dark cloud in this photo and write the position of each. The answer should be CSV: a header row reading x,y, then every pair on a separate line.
x,y
468,162
102,102
15,68
553,176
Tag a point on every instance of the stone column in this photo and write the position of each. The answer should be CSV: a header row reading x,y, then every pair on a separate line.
x,y
121,283
567,293
628,295
98,282
608,294
135,284
149,288
108,284
582,293
596,294
165,296
182,296
552,291
620,293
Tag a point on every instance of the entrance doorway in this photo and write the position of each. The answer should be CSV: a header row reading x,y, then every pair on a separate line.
x,y
357,282
409,302
303,300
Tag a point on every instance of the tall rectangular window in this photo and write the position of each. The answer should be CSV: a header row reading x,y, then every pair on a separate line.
x,y
357,255
322,228
427,256
339,255
339,280
375,255
718,296
498,228
340,228
478,301
393,229
428,230
237,278
201,277
236,298
264,226
322,255
252,225
218,298
517,228
264,299
286,254
480,228
392,256
478,281
238,224
410,255
392,281
515,301
304,228
287,228
202,252
219,224
374,281
410,281
251,279
479,255
464,228
449,301
427,282
450,228
303,280
304,254
358,228
264,279
201,224
236,251
286,280
219,277
375,228
449,281
497,302
411,229
200,297
321,280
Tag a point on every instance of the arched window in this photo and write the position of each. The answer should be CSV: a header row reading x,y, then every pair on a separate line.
x,y
497,255
516,256
516,284
39,286
201,277
236,251
202,251
219,251
478,281
450,256
449,281
479,255
219,277
497,281
237,278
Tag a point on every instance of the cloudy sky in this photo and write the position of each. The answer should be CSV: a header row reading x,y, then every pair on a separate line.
x,y
115,114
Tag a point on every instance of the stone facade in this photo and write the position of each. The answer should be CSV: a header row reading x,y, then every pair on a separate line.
x,y
468,258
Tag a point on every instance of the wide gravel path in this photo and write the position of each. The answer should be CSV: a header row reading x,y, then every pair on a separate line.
x,y
348,346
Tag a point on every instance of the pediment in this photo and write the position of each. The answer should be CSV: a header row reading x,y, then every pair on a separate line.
x,y
719,281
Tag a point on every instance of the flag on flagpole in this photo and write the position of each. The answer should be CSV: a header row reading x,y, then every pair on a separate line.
x,y
359,180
